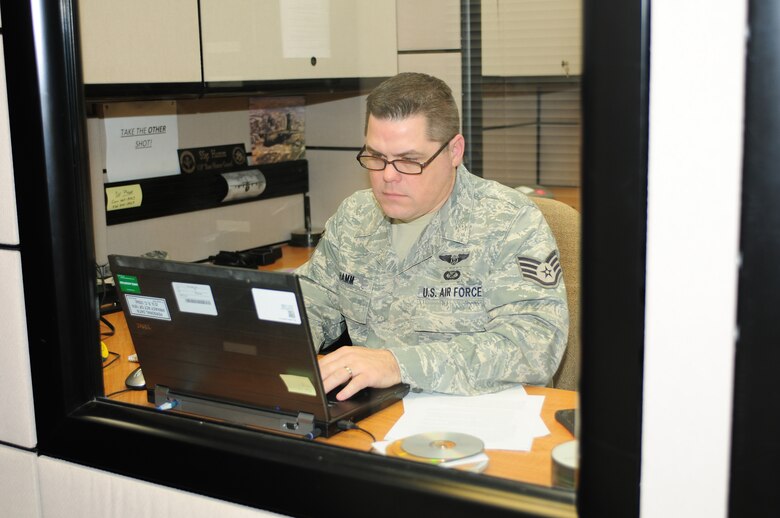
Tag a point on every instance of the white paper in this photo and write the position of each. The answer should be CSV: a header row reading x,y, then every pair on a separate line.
x,y
150,307
305,26
507,420
276,306
194,298
142,146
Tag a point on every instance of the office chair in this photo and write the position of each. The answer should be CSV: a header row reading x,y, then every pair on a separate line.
x,y
564,222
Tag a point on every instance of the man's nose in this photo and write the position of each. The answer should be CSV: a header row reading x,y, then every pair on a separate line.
x,y
390,173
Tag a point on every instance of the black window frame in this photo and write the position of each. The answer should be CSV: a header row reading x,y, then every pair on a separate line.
x,y
294,477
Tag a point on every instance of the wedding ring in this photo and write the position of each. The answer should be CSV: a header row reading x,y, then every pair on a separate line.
x,y
349,371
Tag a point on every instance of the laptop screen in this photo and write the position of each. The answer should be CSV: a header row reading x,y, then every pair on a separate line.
x,y
230,335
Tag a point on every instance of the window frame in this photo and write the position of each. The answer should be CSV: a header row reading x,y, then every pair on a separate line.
x,y
46,112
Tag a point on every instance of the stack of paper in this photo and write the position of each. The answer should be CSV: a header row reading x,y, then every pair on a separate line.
x,y
507,420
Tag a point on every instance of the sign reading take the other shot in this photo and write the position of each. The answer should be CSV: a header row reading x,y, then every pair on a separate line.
x,y
141,140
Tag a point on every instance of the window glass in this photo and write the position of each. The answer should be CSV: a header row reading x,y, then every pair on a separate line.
x,y
520,116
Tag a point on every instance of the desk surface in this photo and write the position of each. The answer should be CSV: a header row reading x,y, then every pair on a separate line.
x,y
532,467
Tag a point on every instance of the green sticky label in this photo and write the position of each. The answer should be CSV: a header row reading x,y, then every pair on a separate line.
x,y
128,284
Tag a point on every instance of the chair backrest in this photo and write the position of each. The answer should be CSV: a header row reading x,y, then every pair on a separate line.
x,y
564,221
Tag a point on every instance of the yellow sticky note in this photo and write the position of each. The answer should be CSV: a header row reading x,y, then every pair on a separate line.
x,y
124,197
298,384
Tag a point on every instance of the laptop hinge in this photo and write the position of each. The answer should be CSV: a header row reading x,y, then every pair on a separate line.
x,y
303,424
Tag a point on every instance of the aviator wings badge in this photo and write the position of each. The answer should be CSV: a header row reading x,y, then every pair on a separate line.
x,y
453,258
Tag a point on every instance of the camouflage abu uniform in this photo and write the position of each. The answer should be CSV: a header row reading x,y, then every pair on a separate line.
x,y
478,305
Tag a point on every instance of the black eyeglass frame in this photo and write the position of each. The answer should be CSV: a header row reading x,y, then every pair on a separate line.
x,y
422,165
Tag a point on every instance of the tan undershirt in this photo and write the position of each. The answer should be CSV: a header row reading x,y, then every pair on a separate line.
x,y
405,234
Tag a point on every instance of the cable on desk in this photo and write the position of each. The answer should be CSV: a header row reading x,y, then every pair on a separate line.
x,y
110,326
349,425
115,358
118,392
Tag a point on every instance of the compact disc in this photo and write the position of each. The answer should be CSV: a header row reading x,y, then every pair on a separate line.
x,y
442,445
565,461
394,449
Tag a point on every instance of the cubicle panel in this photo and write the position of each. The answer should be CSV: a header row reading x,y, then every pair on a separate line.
x,y
17,425
193,236
415,19
19,483
335,174
336,124
144,41
444,65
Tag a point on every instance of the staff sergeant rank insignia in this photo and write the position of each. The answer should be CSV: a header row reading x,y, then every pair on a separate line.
x,y
547,272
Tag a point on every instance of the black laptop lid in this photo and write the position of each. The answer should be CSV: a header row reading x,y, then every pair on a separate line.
x,y
232,335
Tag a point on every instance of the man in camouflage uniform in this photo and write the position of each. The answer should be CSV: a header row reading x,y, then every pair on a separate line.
x,y
449,282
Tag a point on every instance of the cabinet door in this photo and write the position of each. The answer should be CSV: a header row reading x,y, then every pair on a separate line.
x,y
531,38
143,41
250,40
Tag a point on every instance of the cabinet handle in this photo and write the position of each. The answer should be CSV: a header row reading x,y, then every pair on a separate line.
x,y
314,61
565,67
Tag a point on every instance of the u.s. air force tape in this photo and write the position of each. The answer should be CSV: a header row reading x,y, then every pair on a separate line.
x,y
450,292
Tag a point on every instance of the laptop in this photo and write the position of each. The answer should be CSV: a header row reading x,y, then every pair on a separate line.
x,y
232,344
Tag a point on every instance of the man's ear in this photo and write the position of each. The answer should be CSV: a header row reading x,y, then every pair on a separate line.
x,y
457,149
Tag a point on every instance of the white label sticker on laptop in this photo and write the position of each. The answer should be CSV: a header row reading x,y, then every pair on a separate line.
x,y
150,307
194,298
276,306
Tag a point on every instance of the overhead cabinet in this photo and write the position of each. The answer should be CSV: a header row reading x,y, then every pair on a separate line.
x,y
250,40
143,41
531,38
148,41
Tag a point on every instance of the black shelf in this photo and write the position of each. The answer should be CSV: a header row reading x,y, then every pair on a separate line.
x,y
168,195
149,91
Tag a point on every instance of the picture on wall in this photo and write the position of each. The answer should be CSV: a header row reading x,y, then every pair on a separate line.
x,y
276,126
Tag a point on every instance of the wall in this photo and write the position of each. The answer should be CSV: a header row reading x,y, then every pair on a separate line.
x,y
693,354
692,256
17,425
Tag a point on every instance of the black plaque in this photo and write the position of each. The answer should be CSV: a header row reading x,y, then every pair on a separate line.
x,y
212,159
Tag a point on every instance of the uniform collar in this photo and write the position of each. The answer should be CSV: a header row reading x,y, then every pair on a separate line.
x,y
451,221
454,216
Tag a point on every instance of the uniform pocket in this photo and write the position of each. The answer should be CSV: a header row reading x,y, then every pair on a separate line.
x,y
354,305
441,316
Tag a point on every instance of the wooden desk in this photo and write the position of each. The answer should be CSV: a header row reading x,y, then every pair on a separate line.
x,y
531,467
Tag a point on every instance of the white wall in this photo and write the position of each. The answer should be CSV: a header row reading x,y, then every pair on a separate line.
x,y
69,490
695,152
17,424
690,318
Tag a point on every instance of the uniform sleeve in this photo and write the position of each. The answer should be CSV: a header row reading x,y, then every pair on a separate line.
x,y
527,322
317,278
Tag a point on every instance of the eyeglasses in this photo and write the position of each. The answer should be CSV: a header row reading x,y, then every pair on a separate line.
x,y
377,163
